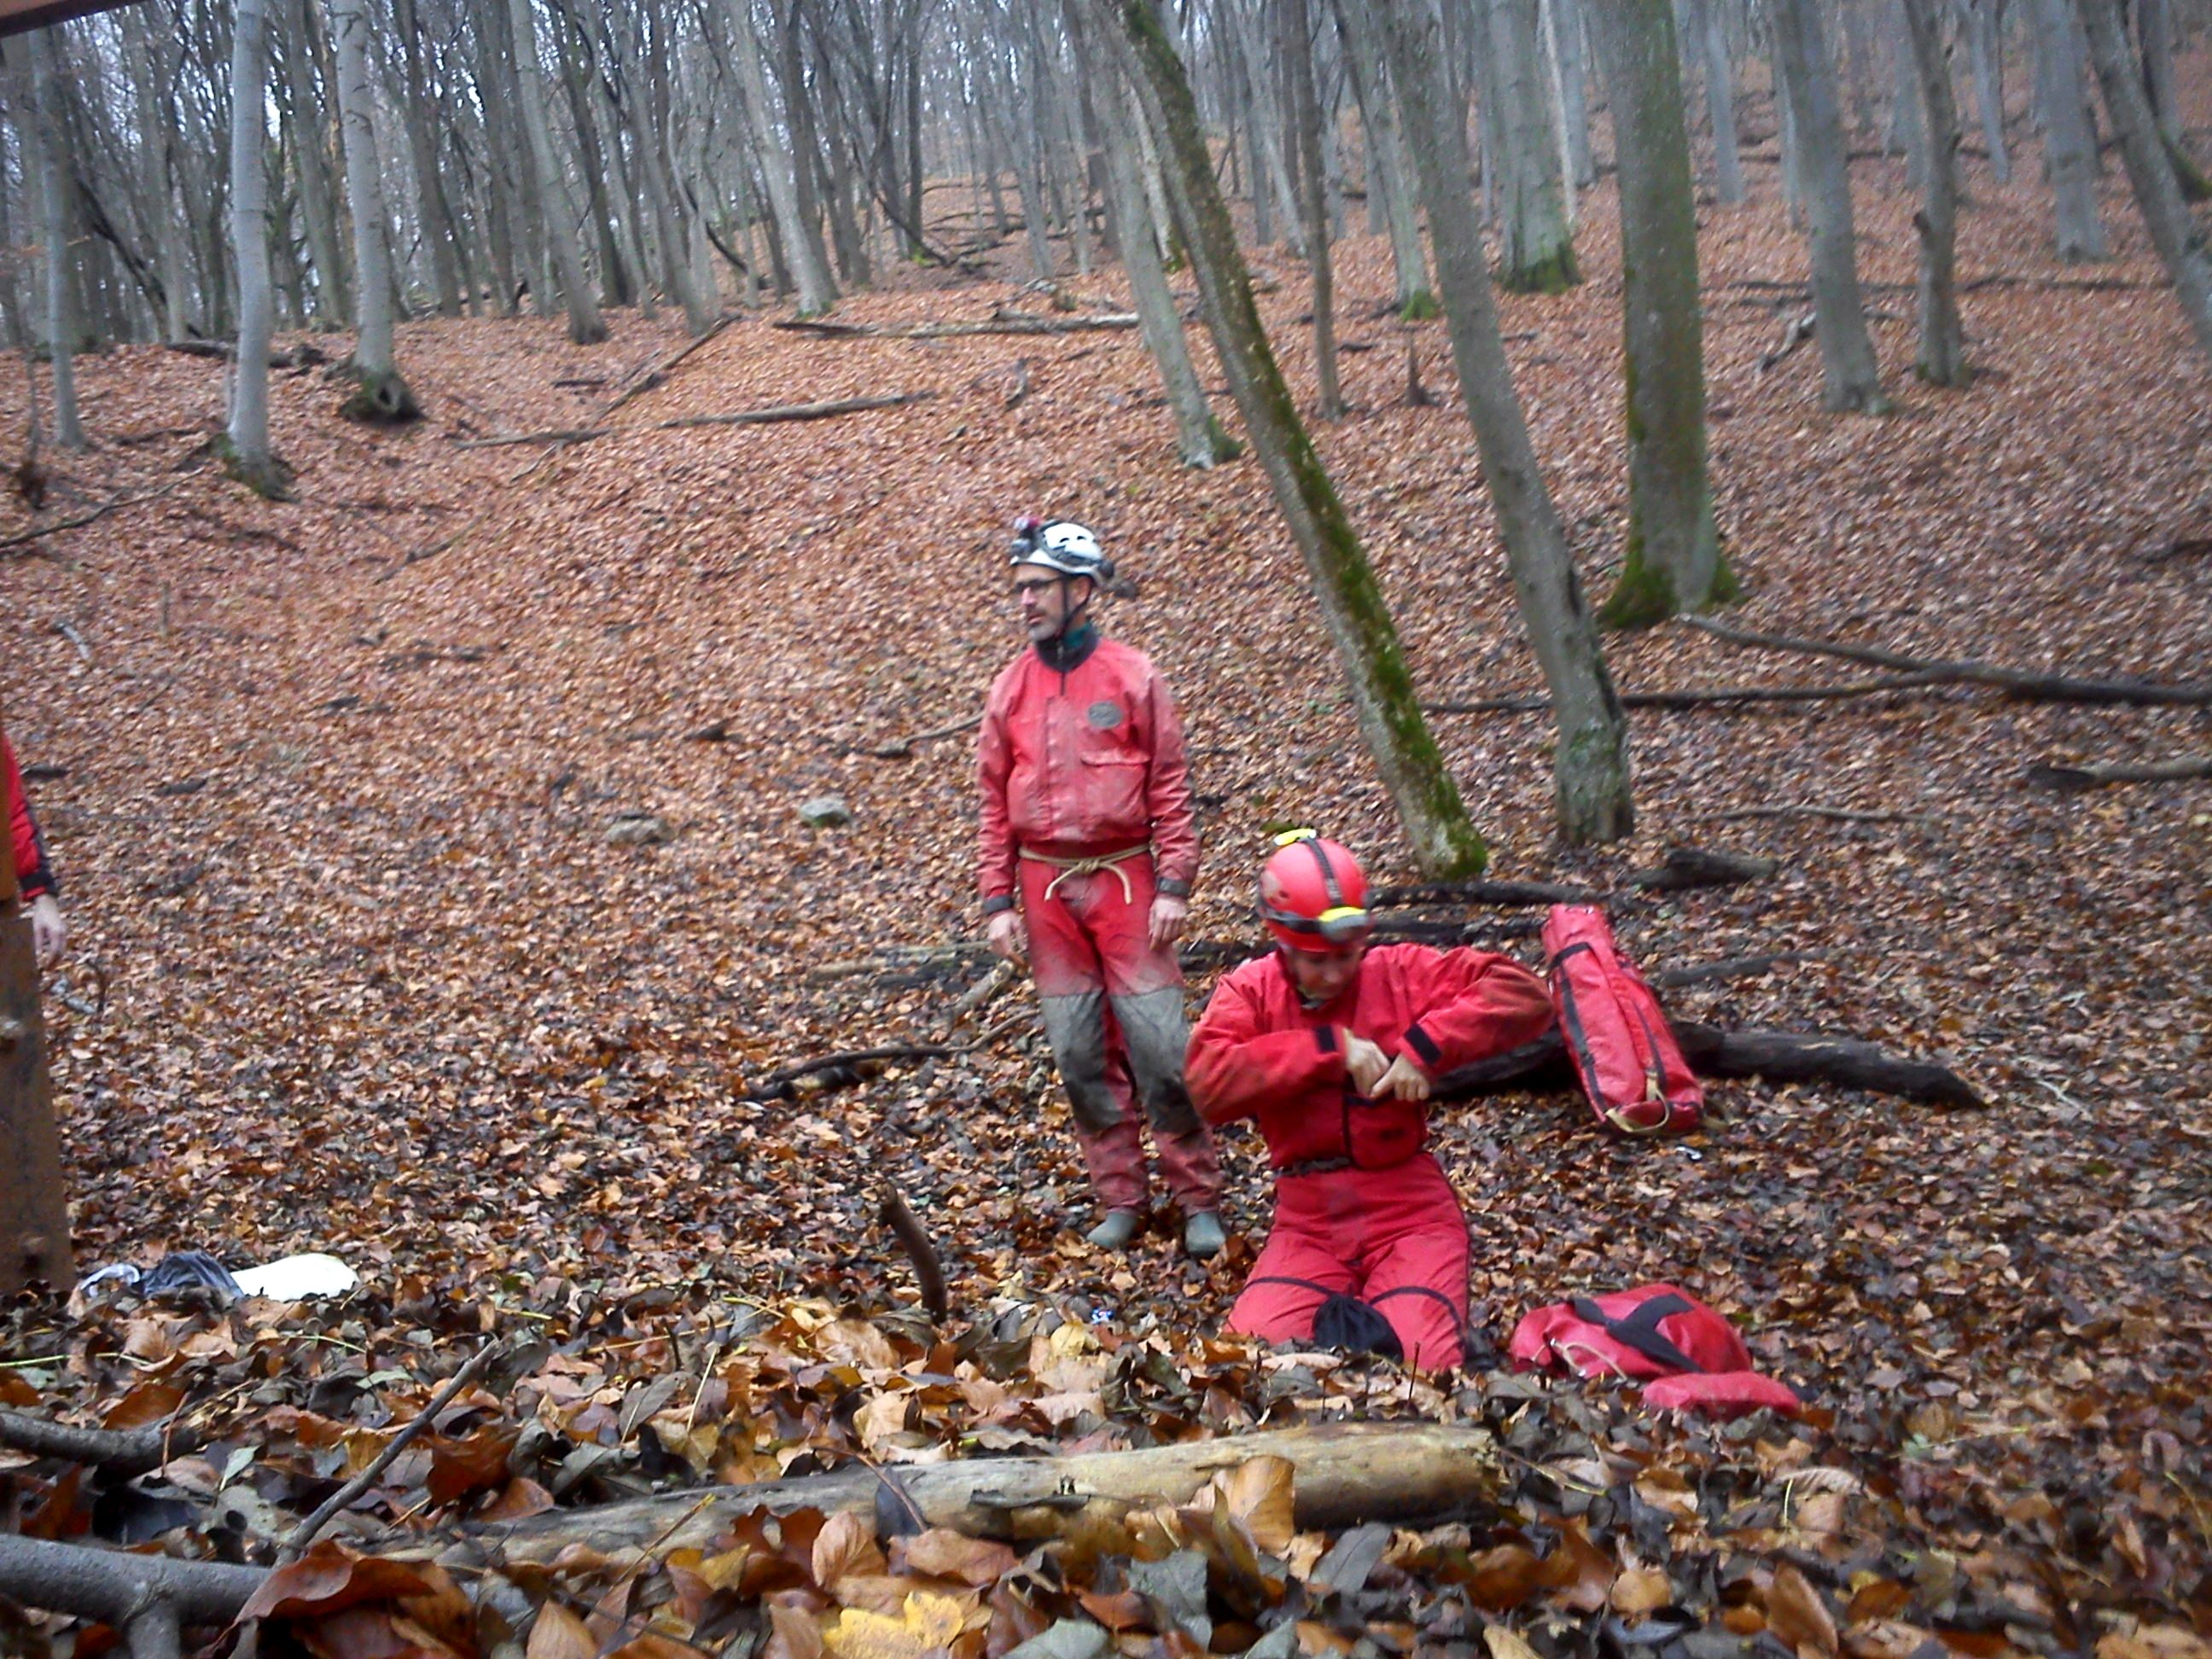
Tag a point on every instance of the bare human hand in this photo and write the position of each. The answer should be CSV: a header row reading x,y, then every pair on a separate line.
x,y
49,932
1169,915
1403,1081
1008,939
1365,1062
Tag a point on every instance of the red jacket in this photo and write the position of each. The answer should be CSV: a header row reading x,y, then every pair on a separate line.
x,y
1257,1052
1085,762
32,874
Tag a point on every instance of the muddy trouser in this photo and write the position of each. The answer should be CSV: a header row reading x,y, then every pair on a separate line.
x,y
1114,1015
1396,1238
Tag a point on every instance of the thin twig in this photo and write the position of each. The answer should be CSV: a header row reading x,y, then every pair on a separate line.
x,y
304,1533
82,520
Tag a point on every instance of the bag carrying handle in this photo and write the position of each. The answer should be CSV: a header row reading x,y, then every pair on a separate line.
x,y
1640,1330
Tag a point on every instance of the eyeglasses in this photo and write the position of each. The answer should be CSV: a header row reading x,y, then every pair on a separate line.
x,y
1037,584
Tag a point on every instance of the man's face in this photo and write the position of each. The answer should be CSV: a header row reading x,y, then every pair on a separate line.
x,y
1322,976
1045,598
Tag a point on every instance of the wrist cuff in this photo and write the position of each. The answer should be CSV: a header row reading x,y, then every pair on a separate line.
x,y
1423,1045
1170,888
1326,1036
997,903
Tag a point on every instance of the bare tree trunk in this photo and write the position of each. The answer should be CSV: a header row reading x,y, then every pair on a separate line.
x,y
34,1227
140,52
1199,436
1986,51
2177,237
656,148
1942,360
810,271
1383,699
585,326
1673,560
2069,141
1590,764
433,211
43,152
1388,180
248,432
381,393
1562,44
1711,42
1908,119
1850,377
316,202
1536,250
2155,25
1306,111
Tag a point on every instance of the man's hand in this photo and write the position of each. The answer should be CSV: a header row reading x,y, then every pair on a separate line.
x,y
1365,1062
49,932
1169,915
1403,1081
1008,939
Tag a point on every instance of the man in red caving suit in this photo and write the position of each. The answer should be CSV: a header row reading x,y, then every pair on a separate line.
x,y
1087,851
1333,1047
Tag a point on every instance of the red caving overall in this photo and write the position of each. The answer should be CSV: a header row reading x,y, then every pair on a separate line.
x,y
1361,1206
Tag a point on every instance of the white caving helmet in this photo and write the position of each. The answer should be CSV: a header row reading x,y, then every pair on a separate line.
x,y
1061,544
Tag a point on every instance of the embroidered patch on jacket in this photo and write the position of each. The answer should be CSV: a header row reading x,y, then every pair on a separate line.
x,y
1105,715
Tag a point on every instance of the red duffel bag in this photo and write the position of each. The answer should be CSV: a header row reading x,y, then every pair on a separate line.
x,y
1629,1065
1688,1357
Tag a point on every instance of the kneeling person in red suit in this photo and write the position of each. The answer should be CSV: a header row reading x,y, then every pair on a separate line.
x,y
1334,1048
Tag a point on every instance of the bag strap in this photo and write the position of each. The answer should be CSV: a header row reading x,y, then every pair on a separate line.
x,y
1640,1329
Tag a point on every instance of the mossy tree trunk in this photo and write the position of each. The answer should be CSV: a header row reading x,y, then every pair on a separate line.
x,y
1313,197
1850,378
1590,764
1536,245
1389,712
1199,437
1943,359
1673,555
383,395
2177,237
1386,156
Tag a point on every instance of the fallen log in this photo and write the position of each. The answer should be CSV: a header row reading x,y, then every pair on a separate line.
x,y
1700,697
1011,323
2020,683
115,1587
1685,868
1777,1056
1807,809
123,1451
2072,780
903,748
777,1085
1345,1473
1482,892
658,374
818,411
559,434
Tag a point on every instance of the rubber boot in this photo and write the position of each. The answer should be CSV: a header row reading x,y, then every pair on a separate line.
x,y
1115,1232
1202,1236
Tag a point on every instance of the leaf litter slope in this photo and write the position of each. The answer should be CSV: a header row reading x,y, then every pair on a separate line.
x,y
334,824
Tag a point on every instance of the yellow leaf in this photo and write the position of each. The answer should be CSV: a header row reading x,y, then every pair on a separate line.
x,y
559,1634
1505,1644
927,1621
1258,1492
1641,1589
846,1546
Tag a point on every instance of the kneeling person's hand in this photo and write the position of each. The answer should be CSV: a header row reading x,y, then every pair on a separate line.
x,y
1366,1063
1403,1081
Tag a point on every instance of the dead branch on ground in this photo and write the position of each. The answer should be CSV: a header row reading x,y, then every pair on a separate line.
x,y
1699,696
122,1451
898,1215
779,1084
2072,780
1004,322
2021,683
818,411
24,537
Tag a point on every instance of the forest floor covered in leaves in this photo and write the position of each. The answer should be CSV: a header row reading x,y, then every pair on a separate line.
x,y
357,968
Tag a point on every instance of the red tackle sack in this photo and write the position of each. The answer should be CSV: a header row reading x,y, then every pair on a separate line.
x,y
1629,1065
1688,1357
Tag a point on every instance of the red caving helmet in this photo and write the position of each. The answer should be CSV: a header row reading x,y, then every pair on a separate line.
x,y
1313,893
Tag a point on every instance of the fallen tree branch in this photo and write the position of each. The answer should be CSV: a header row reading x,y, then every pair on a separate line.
x,y
560,435
776,1085
2072,780
23,537
1482,892
123,1451
111,1586
904,749
1347,1473
898,1215
1777,1056
821,411
659,375
1699,696
1685,868
2015,682
1842,814
1014,322
304,1533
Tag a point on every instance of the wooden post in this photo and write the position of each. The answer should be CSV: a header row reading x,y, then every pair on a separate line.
x,y
34,1234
